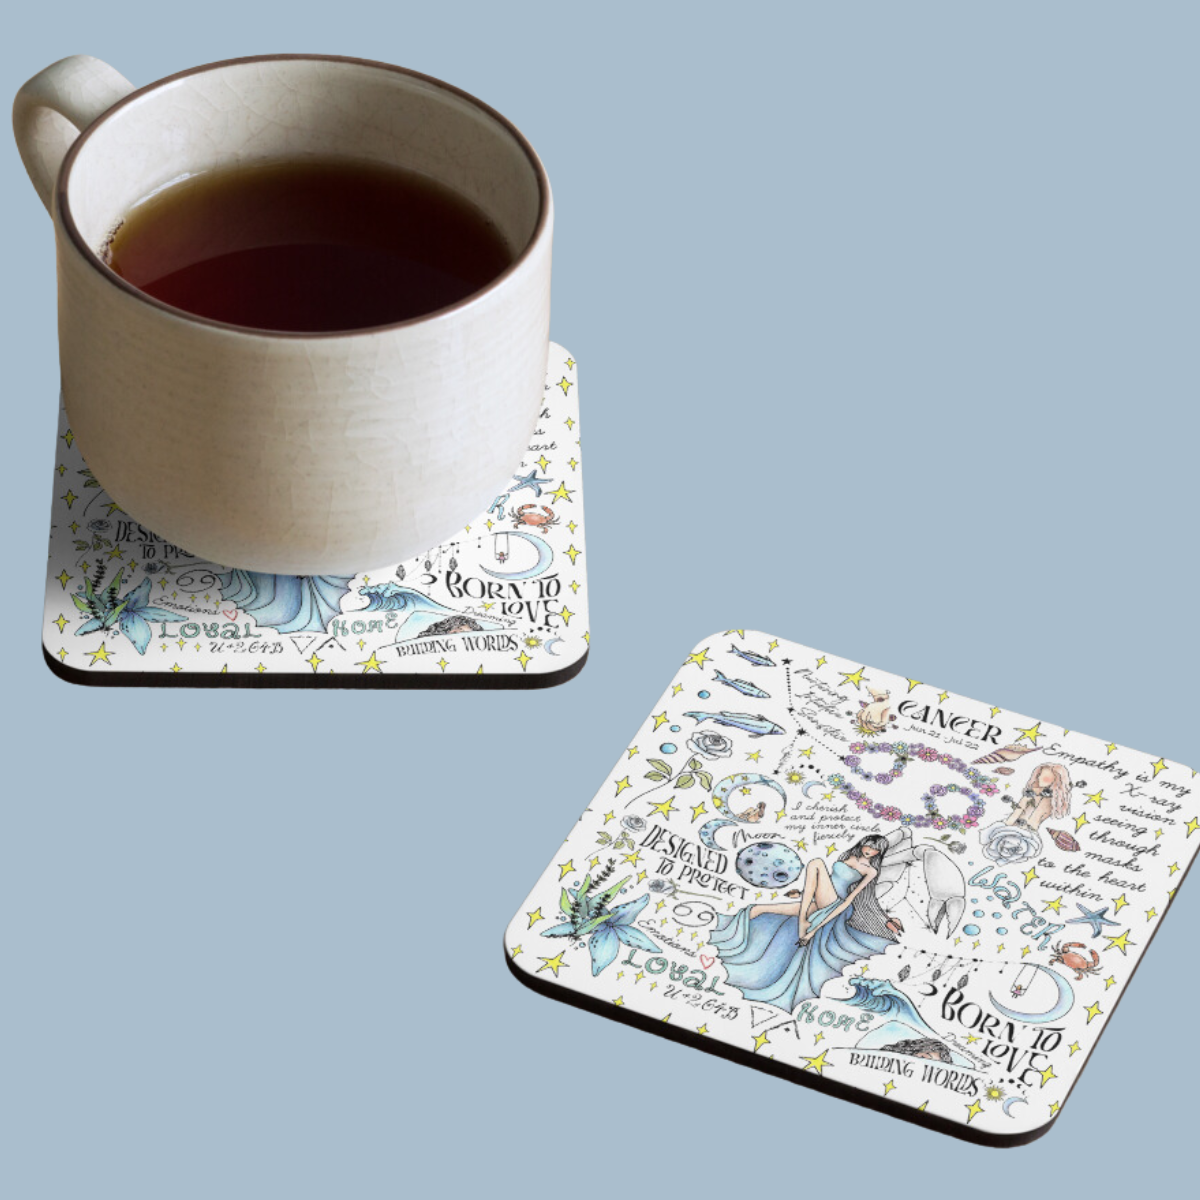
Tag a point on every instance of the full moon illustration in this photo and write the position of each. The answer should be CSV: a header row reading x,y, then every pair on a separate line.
x,y
769,865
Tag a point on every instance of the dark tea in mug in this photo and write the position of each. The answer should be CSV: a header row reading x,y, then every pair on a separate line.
x,y
308,246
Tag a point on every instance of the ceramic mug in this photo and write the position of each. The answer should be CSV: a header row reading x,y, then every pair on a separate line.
x,y
282,452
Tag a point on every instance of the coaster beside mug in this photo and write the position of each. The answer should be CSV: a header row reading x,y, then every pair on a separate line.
x,y
503,604
963,984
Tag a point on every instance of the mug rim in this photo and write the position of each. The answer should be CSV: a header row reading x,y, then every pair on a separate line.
x,y
94,260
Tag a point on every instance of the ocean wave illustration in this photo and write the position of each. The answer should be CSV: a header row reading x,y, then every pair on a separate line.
x,y
426,617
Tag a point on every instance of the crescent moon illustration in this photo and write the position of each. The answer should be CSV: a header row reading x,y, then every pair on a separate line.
x,y
1062,1004
811,783
1010,1102
721,790
708,831
545,557
549,647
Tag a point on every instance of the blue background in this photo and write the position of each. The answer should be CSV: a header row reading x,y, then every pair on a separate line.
x,y
886,321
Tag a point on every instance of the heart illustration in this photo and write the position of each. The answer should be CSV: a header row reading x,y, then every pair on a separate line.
x,y
229,613
706,962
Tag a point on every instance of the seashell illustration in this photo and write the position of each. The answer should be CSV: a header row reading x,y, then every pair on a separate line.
x,y
1063,840
1006,754
1005,771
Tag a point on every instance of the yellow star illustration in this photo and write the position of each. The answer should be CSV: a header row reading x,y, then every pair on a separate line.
x,y
64,578
697,811
821,662
60,621
753,756
699,658
760,1040
523,659
570,363
995,710
68,437
1192,826
1053,905
371,664
543,462
1030,875
667,807
515,951
1054,1107
622,784
1120,904
1080,821
1024,951
177,668
817,1064
314,662
534,918
62,654
1096,798
854,677
1032,733
563,493
1119,943
565,384
1172,869
441,662
807,753
889,1087
69,497
565,869
572,553
660,718
552,964
100,655
619,1001
1047,1075
566,615
973,1111
1074,1049
702,1029
260,668
772,645
1109,982
1093,1010
572,463
1151,913
632,751
943,697
1158,766
608,816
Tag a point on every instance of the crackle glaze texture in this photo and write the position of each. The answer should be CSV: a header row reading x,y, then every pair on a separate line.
x,y
296,454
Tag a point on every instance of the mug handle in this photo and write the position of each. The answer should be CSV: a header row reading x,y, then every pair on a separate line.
x,y
52,109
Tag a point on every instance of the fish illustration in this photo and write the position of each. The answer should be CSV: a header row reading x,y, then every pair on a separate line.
x,y
743,686
758,660
755,726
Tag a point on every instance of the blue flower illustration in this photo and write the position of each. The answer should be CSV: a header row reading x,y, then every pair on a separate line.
x,y
131,614
606,929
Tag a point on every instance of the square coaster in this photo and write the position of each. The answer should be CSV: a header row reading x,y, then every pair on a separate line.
x,y
977,887
501,605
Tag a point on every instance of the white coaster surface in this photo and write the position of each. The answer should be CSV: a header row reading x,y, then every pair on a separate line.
x,y
503,604
957,967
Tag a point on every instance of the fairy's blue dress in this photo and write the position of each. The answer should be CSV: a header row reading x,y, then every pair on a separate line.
x,y
764,961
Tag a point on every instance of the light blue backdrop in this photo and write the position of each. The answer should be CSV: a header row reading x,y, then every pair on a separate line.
x,y
886,320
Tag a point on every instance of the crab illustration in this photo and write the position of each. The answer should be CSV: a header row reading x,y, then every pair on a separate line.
x,y
536,516
1065,953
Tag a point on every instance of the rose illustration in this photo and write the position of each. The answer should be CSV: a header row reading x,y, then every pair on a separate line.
x,y
710,745
1010,844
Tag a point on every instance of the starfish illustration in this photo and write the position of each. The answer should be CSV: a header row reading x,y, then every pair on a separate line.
x,y
530,481
1096,920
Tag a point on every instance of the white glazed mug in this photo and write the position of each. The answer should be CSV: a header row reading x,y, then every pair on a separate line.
x,y
280,452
